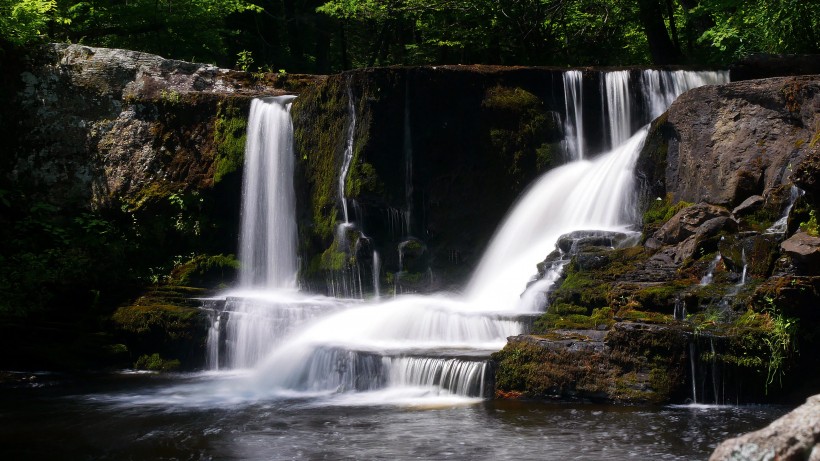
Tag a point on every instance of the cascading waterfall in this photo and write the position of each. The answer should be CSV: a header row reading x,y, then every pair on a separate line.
x,y
267,244
619,108
573,108
438,345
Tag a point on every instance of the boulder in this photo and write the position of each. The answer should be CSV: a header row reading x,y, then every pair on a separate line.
x,y
692,220
721,144
794,437
750,205
804,251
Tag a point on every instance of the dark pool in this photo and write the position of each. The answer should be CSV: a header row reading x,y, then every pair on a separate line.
x,y
191,417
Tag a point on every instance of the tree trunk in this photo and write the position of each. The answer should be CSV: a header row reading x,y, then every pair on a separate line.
x,y
661,48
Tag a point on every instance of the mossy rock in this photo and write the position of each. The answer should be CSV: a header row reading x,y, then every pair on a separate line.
x,y
155,362
206,271
165,321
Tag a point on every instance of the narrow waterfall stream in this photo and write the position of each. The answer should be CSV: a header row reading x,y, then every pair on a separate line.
x,y
435,347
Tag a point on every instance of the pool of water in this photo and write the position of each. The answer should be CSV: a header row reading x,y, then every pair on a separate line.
x,y
194,417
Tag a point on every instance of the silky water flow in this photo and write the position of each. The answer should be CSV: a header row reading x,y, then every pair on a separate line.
x,y
418,349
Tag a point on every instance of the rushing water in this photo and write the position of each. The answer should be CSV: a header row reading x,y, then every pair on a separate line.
x,y
152,417
310,377
267,244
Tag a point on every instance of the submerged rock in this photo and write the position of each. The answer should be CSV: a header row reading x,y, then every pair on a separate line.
x,y
794,437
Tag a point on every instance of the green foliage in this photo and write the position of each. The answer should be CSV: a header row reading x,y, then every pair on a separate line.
x,y
741,27
244,60
810,227
23,21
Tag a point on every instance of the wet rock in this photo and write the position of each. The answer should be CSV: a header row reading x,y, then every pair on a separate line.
x,y
794,437
579,241
690,221
750,205
804,251
757,252
807,173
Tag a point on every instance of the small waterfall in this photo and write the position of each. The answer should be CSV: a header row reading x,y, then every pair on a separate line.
x,y
618,106
377,267
745,265
693,366
573,108
348,154
267,244
707,279
779,227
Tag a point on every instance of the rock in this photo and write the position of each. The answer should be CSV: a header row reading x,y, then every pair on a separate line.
x,y
804,250
689,221
807,173
794,437
750,205
578,241
757,252
721,144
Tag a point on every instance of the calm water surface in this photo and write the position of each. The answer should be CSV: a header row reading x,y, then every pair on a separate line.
x,y
190,417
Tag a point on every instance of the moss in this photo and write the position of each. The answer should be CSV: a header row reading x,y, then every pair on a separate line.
x,y
661,211
230,134
643,316
165,321
660,298
364,180
154,362
207,271
518,126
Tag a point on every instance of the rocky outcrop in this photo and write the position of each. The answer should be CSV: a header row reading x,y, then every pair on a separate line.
x,y
739,289
105,124
722,144
794,437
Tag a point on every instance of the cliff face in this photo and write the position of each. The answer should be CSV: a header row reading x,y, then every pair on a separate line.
x,y
723,144
117,167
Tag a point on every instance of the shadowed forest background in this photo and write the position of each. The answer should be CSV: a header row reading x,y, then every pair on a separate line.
x,y
316,36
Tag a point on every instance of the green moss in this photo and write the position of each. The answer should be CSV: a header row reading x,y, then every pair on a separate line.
x,y
207,271
230,134
519,130
663,210
154,362
363,179
660,298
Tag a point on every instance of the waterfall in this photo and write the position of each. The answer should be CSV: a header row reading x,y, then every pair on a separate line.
x,y
267,244
573,108
707,279
438,344
348,153
618,106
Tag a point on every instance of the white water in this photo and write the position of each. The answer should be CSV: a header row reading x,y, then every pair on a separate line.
x,y
267,244
596,194
618,107
437,345
348,154
573,108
